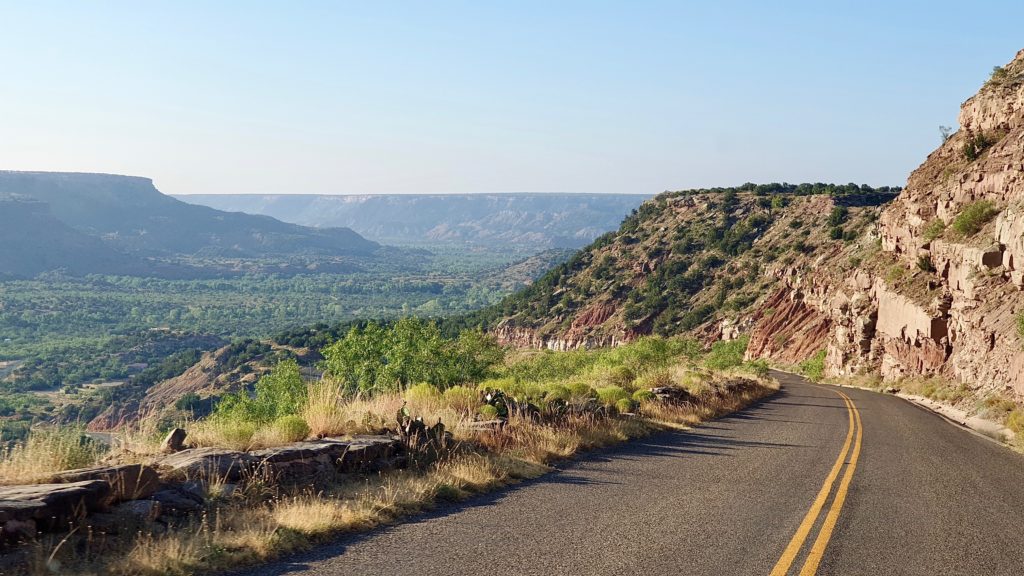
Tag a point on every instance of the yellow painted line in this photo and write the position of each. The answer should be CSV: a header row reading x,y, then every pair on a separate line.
x,y
797,542
818,549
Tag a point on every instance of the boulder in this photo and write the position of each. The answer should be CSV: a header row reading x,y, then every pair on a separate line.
x,y
175,441
52,506
205,463
178,500
302,460
127,481
368,452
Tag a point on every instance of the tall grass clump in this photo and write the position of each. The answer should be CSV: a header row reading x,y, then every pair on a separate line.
x,y
973,217
47,451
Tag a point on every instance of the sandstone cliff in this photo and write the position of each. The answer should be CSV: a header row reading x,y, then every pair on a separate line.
x,y
941,294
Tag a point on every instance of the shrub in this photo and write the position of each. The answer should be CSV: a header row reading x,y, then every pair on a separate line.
x,y
726,353
1015,421
624,405
278,393
290,428
814,367
1020,325
422,393
973,217
758,367
934,229
643,396
609,395
462,398
895,273
924,264
654,379
489,412
975,145
554,392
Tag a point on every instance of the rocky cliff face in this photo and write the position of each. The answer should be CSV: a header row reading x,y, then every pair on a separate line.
x,y
706,263
942,291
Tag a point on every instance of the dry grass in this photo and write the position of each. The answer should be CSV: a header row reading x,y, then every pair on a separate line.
x,y
263,520
46,452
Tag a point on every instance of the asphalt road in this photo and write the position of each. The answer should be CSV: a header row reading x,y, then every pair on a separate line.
x,y
909,494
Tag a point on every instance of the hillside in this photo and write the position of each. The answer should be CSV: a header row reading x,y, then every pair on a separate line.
x,y
687,262
534,221
33,241
130,215
942,296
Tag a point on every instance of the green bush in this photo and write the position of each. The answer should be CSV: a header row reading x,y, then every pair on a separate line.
x,y
291,428
758,367
726,353
643,396
976,144
281,392
654,379
422,392
553,392
609,395
489,412
973,217
934,229
814,367
624,406
1020,325
462,398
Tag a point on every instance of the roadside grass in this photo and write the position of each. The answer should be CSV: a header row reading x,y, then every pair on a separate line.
x,y
558,405
46,451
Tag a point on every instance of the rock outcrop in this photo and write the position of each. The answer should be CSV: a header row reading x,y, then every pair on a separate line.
x,y
942,293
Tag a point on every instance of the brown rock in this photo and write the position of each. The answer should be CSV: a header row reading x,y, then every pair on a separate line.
x,y
205,463
127,481
52,506
175,441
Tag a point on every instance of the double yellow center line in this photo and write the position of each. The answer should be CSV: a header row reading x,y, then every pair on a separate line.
x,y
817,550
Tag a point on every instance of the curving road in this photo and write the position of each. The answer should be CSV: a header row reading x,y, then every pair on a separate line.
x,y
806,482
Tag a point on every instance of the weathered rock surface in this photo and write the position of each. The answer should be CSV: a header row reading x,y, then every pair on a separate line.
x,y
52,506
959,320
127,481
205,463
174,442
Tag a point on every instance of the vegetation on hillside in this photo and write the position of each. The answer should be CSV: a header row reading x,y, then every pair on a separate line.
x,y
687,257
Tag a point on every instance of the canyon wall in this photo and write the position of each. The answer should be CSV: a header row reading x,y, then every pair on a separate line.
x,y
938,297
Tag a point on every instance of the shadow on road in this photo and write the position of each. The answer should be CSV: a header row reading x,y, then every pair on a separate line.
x,y
715,439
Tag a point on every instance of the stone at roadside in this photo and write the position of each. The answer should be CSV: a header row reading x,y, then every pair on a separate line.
x,y
126,517
127,481
175,441
176,500
671,394
205,463
52,506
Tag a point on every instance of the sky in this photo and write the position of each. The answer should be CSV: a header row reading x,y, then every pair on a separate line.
x,y
350,97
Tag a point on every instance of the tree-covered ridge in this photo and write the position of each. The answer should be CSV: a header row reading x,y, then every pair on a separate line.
x,y
685,258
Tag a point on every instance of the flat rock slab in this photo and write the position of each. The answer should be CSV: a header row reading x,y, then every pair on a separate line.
x,y
206,463
52,506
127,481
313,450
367,451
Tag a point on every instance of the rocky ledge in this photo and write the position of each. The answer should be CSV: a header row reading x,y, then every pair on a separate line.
x,y
113,497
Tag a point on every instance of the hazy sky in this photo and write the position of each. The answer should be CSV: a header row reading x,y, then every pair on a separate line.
x,y
381,97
